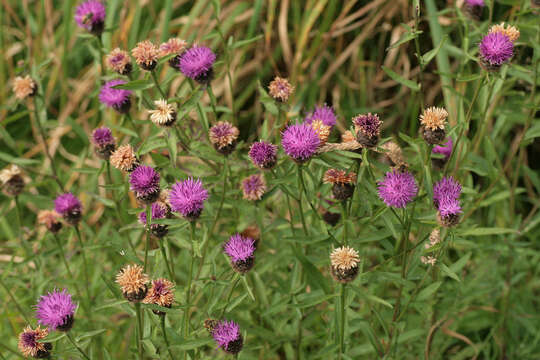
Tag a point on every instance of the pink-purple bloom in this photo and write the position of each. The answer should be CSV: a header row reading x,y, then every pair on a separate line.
x,y
144,180
90,15
102,136
446,188
67,203
445,149
239,248
448,206
263,154
475,3
369,124
397,188
496,49
197,62
324,113
187,197
300,141
115,98
159,211
55,309
228,337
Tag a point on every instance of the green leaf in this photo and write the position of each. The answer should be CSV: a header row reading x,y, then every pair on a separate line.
x,y
313,300
427,57
486,231
406,37
533,132
141,84
446,270
396,77
268,102
429,290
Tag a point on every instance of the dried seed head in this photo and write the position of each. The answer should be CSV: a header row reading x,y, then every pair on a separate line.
x,y
29,344
164,114
124,158
161,293
253,187
118,60
223,136
508,30
334,176
344,258
174,46
132,281
24,87
322,130
11,180
51,220
434,118
280,89
146,55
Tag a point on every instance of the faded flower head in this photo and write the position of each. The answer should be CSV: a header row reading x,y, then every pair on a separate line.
x,y
69,207
146,55
29,343
369,125
223,136
118,99
253,187
228,337
475,3
11,179
447,187
397,188
161,293
324,113
433,118
344,258
508,30
263,154
124,158
164,114
300,141
24,87
322,130
56,310
495,49
187,197
334,176
119,61
241,251
445,150
280,89
197,63
90,15
51,220
132,281
173,46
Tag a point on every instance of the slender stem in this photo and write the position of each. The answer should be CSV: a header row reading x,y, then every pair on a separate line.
x,y
344,216
87,280
164,254
156,82
213,101
27,247
72,340
61,249
165,336
301,190
343,311
8,291
233,286
148,233
139,330
185,329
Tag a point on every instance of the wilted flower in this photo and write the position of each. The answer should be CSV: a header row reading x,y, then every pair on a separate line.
x,y
104,142
368,129
69,207
124,158
197,63
51,220
263,155
228,337
118,99
29,343
398,188
241,251
280,89
254,187
144,182
324,113
224,136
90,15
343,183
132,281
474,8
300,142
394,155
445,150
173,46
118,60
164,114
146,55
433,120
508,30
322,130
11,180
24,87
187,197
56,310
161,293
495,50
159,211
344,261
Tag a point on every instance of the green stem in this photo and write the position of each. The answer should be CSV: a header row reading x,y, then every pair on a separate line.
x,y
26,245
8,291
61,249
300,192
185,328
70,337
213,101
165,336
233,286
343,311
164,254
83,253
154,77
139,330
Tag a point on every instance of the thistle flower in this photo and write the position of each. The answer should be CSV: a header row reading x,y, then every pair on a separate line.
x,y
124,158
118,99
433,120
159,211
448,212
223,137
434,238
394,155
397,189
322,130
51,220
447,187
368,129
69,207
29,343
161,293
24,87
445,197
431,260
173,46
344,261
253,187
187,197
119,61
445,150
228,337
164,114
495,50
300,142
508,30
280,89
56,310
90,15
197,63
144,182
323,113
132,281
343,184
241,251
474,8
104,142
146,55
263,155
11,180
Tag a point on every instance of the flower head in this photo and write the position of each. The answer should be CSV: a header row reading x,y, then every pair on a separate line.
x,y
263,154
132,281
8,173
187,197
24,87
197,63
254,187
445,150
118,99
102,136
51,220
172,46
448,206
433,118
164,114
223,136
447,187
11,180
334,176
434,238
344,258
322,130
118,60
146,55
161,293
69,207
239,248
29,343
300,141
475,3
124,158
508,30
280,89
496,49
369,125
324,113
159,211
398,188
56,310
144,181
431,260
90,15
228,337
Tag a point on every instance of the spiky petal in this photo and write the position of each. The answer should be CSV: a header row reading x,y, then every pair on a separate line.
x,y
187,197
397,188
300,141
323,113
55,309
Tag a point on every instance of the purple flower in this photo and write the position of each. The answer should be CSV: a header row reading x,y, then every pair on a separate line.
x,y
449,206
159,211
144,180
102,136
239,248
90,15
227,335
263,154
300,141
475,3
187,197
115,98
397,189
67,203
196,62
324,113
446,188
445,150
55,309
496,49
254,187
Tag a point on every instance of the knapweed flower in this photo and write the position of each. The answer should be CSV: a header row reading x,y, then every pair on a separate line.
x,y
11,180
241,252
446,194
223,137
474,8
90,15
434,238
104,142
431,260
144,181
280,89
51,220
118,99
263,155
29,343
433,120
173,46
197,63
447,187
69,207
124,158
495,50
24,87
397,189
368,129
187,197
119,61
146,55
395,155
323,113
164,114
322,130
445,150
159,211
343,183
300,142
56,310
511,31
161,293
228,337
344,261
253,187
132,281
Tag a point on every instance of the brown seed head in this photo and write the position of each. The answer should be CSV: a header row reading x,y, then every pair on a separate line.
x,y
145,53
322,130
223,134
49,218
280,89
8,173
164,113
28,341
334,176
123,158
434,118
117,60
161,293
344,258
24,87
174,46
131,279
508,30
